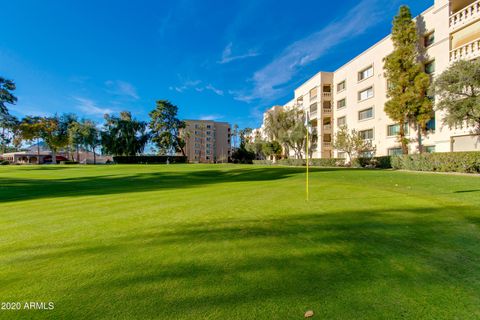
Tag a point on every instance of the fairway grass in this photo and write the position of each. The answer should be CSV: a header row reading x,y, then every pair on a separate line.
x,y
238,242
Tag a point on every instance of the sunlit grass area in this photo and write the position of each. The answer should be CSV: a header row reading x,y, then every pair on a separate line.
x,y
238,242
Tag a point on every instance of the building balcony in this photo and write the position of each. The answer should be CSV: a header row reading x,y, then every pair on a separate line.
x,y
468,51
329,94
327,110
326,145
327,127
465,16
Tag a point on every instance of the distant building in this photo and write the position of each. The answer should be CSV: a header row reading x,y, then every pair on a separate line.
x,y
207,141
44,157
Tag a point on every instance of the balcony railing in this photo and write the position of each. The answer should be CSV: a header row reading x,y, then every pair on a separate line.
x,y
327,144
327,110
313,98
465,16
468,51
329,94
327,127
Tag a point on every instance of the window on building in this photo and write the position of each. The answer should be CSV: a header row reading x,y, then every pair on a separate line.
x,y
429,39
394,129
327,104
327,89
313,93
313,107
341,103
209,139
366,134
197,139
430,149
208,151
341,86
365,73
207,158
365,94
431,125
341,121
197,151
430,67
197,133
365,114
197,145
341,155
209,133
209,126
395,151
327,138
209,145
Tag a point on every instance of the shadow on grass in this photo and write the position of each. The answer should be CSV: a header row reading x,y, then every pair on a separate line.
x,y
344,263
18,189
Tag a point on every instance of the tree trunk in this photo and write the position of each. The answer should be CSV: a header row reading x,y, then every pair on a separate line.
x,y
419,137
403,140
94,156
54,156
38,151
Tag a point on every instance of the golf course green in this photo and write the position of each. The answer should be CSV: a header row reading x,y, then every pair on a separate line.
x,y
237,242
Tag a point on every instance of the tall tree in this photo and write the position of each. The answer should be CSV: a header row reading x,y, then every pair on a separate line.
x,y
458,92
166,128
30,129
8,128
54,131
6,95
91,137
123,135
352,143
407,82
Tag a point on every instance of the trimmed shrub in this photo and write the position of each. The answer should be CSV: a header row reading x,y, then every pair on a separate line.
x,y
4,162
263,162
465,162
149,159
383,162
334,162
68,162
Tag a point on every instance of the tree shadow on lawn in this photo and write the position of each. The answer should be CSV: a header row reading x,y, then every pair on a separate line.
x,y
19,189
409,261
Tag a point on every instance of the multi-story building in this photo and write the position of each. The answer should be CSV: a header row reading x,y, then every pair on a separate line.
x,y
207,141
355,94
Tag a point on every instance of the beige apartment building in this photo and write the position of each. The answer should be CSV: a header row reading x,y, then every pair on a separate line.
x,y
355,94
207,141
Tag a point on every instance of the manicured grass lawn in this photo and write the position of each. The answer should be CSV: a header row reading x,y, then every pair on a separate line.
x,y
238,242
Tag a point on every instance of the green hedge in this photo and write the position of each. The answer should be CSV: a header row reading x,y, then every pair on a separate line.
x,y
4,162
467,162
375,162
334,162
263,162
68,162
149,159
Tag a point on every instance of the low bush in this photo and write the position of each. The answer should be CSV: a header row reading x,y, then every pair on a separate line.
x,y
263,162
149,159
4,162
68,162
334,162
383,162
465,162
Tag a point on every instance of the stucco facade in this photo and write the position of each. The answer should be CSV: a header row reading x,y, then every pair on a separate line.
x,y
356,92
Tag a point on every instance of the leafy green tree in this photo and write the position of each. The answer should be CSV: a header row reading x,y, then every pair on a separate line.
x,y
8,130
352,143
6,95
54,131
277,124
30,129
458,92
91,137
272,149
123,135
166,128
407,83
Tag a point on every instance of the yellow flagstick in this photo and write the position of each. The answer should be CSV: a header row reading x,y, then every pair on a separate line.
x,y
306,152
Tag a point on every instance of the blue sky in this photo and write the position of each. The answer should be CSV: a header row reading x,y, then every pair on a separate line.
x,y
221,60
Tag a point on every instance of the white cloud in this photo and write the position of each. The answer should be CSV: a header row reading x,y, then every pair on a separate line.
x,y
211,117
122,88
227,55
89,107
268,81
195,84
